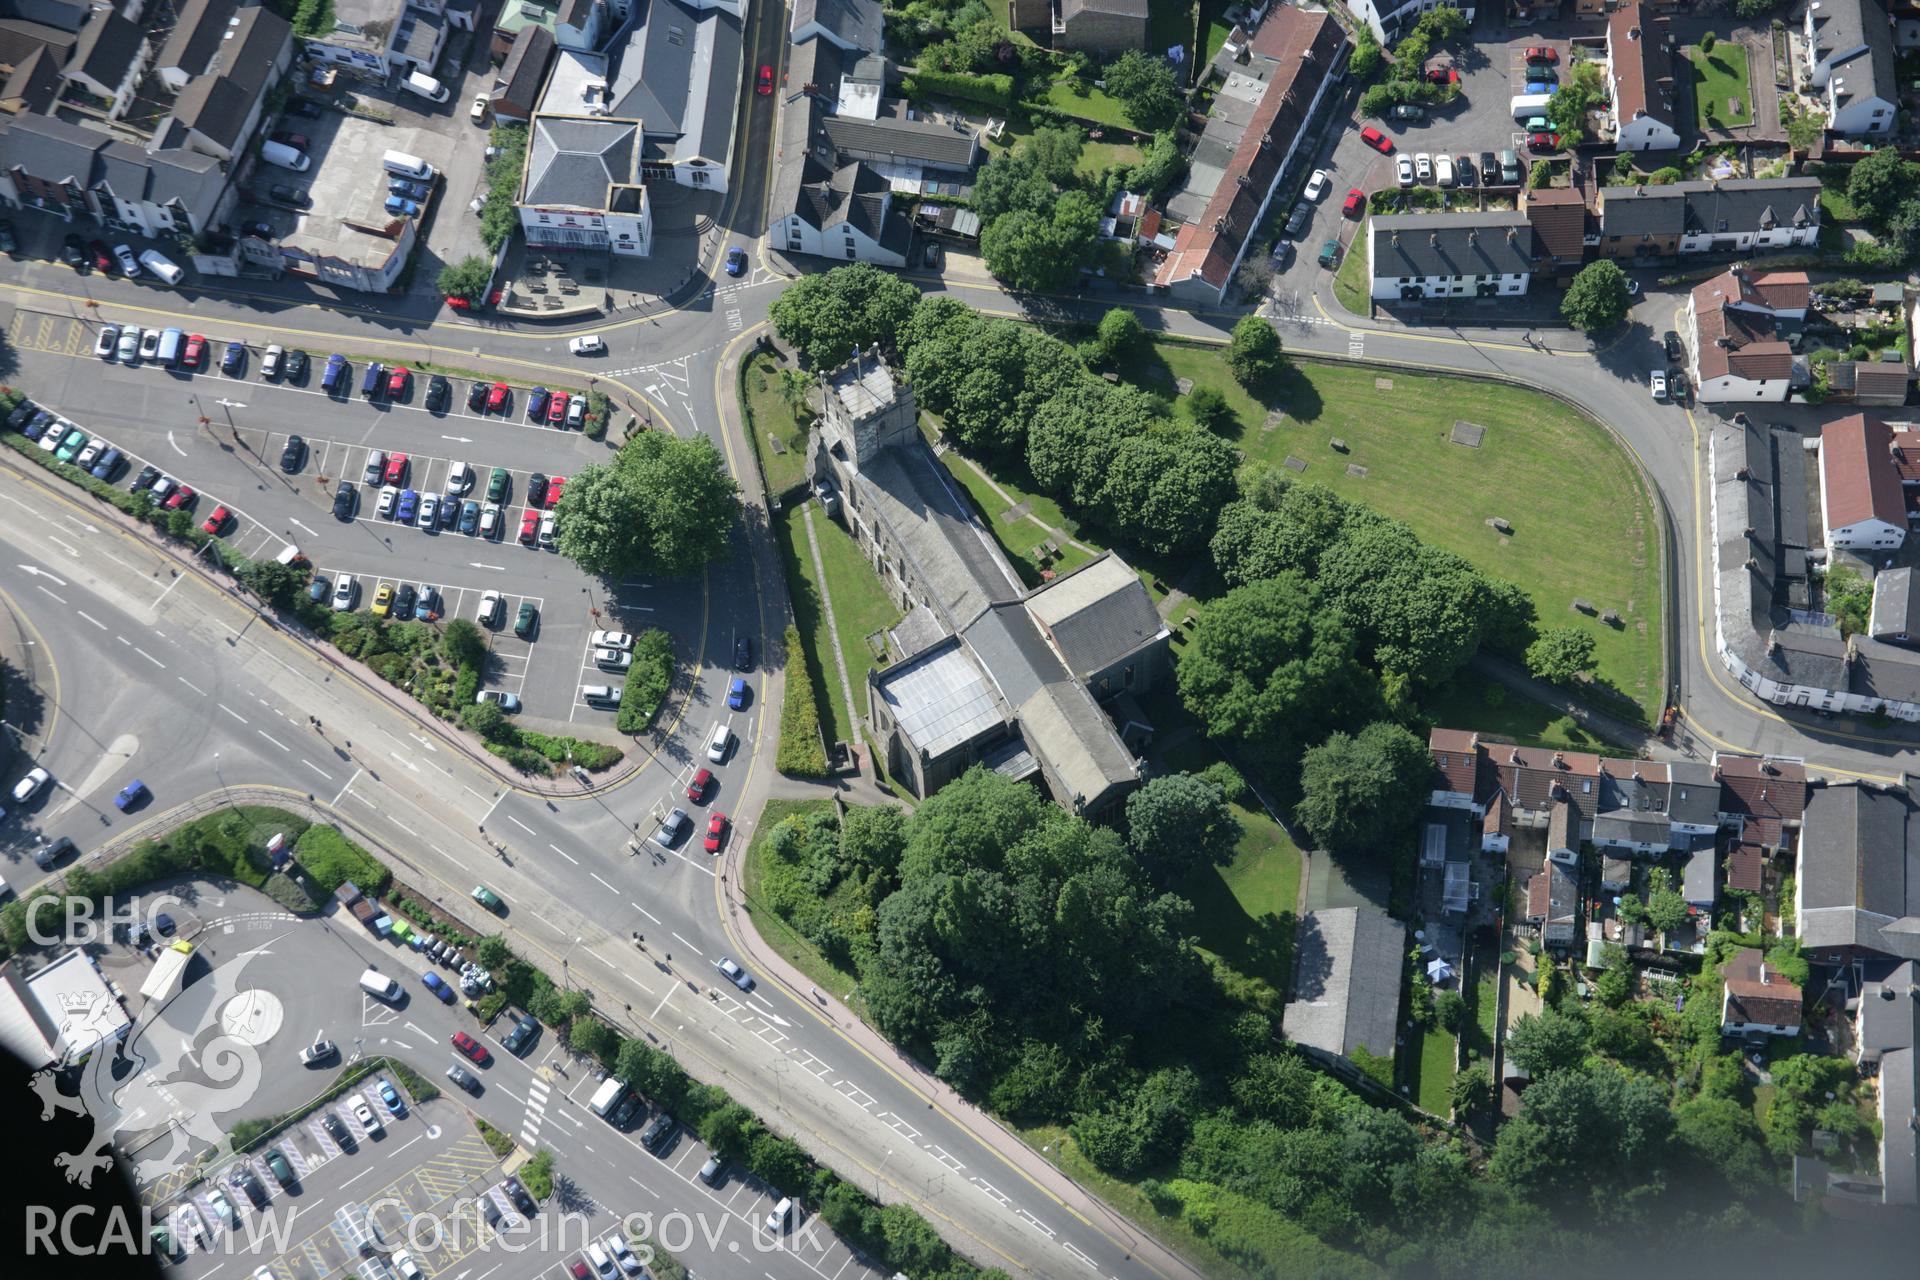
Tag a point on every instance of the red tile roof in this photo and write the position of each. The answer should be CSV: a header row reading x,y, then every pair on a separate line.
x,y
1641,770
1856,466
1499,818
1768,793
1746,867
1528,775
1784,290
1642,70
1539,889
1456,758
1906,456
1758,994
1559,218
1732,340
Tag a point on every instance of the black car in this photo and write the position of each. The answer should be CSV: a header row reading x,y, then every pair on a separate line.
x,y
742,654
293,455
623,1115
439,391
290,195
335,1130
1489,164
521,1036
344,500
305,108
262,230
73,251
8,244
146,478
536,490
658,1134
462,1077
477,397
403,601
1674,350
247,1183
21,416
296,365
518,1194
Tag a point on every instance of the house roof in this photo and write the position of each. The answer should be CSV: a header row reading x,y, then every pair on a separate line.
x,y
1746,866
35,82
1456,760
1563,893
1733,341
1559,218
804,154
1777,291
1096,615
855,195
1765,792
525,67
214,106
1633,211
195,36
1642,66
1880,382
1696,881
1858,479
1253,122
50,148
1452,244
106,49
1540,893
1499,818
1749,204
1783,290
856,23
1529,775
1906,455
1693,793
1078,745
1756,993
679,75
1859,870
892,135
1862,25
1346,981
1896,605
960,565
1563,826
572,161
20,39
1070,9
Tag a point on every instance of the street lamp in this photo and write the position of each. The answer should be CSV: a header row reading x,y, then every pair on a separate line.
x,y
564,980
877,1172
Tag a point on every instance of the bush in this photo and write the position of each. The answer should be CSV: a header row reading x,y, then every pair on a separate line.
x,y
802,753
537,1174
497,1142
1228,779
331,859
648,681
1707,42
599,413
989,91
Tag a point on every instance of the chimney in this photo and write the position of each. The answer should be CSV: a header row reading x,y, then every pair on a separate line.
x,y
1749,531
1559,760
1473,238
1244,181
1633,33
1744,473
1433,239
1395,235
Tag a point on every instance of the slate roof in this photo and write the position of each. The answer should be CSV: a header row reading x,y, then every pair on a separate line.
x,y
1843,24
1626,827
518,82
1896,605
1642,67
854,194
1693,793
893,136
1634,211
1452,244
1856,455
679,75
857,23
196,35
106,49
50,149
1559,219
1880,382
572,160
1096,615
1070,9
35,82
1732,205
961,567
1346,981
1696,881
1859,869
1069,733
214,106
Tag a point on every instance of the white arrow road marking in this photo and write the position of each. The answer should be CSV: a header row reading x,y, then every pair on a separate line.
x,y
176,448
38,572
291,520
459,439
475,564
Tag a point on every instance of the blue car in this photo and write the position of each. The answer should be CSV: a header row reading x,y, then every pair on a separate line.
x,y
536,404
130,795
411,190
736,261
469,516
428,606
235,360
108,463
438,985
391,1096
402,205
38,425
409,500
737,693
1538,87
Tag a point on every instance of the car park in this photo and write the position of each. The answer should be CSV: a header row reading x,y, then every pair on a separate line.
x,y
345,499
388,1094
128,348
1407,111
554,486
248,1184
497,483
397,382
499,398
395,470
1443,169
222,1207
1509,167
84,460
407,507
1673,348
459,478
106,464
477,397
146,478
577,412
659,1133
1543,141
1423,167
1541,54
439,392
557,408
150,344
42,422
293,455
402,206
70,447
616,1247
488,614
216,522
525,620
490,522
389,498
529,526
368,1121
517,1041
403,601
234,362
478,112
429,511
507,702
469,516
733,973
271,361
537,404
182,498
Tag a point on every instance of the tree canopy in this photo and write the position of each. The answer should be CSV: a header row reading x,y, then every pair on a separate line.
x,y
664,505
1561,655
1360,792
1597,298
826,316
1255,354
1145,87
1593,1138
1179,822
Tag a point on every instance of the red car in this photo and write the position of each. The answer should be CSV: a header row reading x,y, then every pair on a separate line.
x,y
697,789
1377,140
1542,53
458,303
557,409
102,260
472,1048
397,381
529,526
1442,75
1356,201
196,351
579,1270
397,469
181,497
497,397
716,832
1544,141
765,84
553,491
217,521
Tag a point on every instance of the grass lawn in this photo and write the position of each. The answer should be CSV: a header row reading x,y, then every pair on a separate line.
x,y
1092,105
1098,157
768,415
1834,205
777,933
860,608
1214,14
1426,1062
1582,525
1720,77
1483,999
816,643
1019,537
1473,701
1350,283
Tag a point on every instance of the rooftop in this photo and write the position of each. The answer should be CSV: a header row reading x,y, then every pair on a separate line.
x,y
940,699
1347,981
575,162
1096,615
1857,473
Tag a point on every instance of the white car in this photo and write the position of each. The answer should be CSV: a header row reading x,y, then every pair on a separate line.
x,y
1403,169
587,345
129,344
127,262
90,454
488,614
270,362
490,520
388,496
612,659
345,591
403,1263
1423,167
429,518
1657,383
459,478
577,412
1317,184
547,527
612,640
1443,169
480,104
108,341
29,787
368,1121
617,1248
222,1207
150,345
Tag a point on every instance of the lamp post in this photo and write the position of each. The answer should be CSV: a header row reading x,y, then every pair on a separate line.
x,y
877,1172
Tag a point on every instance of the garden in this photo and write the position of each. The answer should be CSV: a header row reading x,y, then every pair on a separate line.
x,y
1722,98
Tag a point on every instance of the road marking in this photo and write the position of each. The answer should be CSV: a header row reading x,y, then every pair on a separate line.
x,y
317,769
275,741
191,685
90,618
230,711
570,858
643,911
403,760
64,545
596,876
50,593
663,999
149,657
291,520
523,826
345,789
691,947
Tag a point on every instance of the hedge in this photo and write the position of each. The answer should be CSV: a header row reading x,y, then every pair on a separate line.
x,y
331,860
988,91
802,754
648,680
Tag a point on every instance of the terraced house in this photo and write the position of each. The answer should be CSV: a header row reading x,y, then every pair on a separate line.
x,y
1734,216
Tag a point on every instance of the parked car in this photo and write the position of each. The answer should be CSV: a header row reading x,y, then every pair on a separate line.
x,y
1542,53
1442,75
1403,170
1657,384
1317,185
1423,167
1355,203
1674,350
294,456
1407,111
1543,140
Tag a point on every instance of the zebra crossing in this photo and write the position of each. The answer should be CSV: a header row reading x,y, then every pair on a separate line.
x,y
537,1093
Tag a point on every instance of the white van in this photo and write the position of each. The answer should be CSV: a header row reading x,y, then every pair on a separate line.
x,y
718,741
607,1096
600,694
285,156
153,261
602,1264
171,343
402,165
424,85
376,983
1526,105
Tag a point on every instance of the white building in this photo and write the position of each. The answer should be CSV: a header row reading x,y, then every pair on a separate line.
x,y
1737,354
1450,255
1850,54
582,187
1862,505
1391,19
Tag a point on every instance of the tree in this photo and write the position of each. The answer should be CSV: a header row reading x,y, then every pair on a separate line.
x,y
1721,1136
1035,251
1270,670
1178,823
485,719
665,505
1666,909
1255,353
1379,99
1011,181
1560,655
467,278
1754,8
1364,62
1360,793
1055,152
1206,406
1878,184
465,643
1546,1042
1597,298
825,317
1120,334
279,585
1586,1136
1157,170
1145,88
1540,175
728,1129
1472,1090
1707,42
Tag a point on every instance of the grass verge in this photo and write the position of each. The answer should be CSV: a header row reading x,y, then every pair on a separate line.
x,y
1350,283
770,418
776,932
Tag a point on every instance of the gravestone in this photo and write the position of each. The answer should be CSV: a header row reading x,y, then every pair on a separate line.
x,y
1383,384
1357,471
1467,433
1294,464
